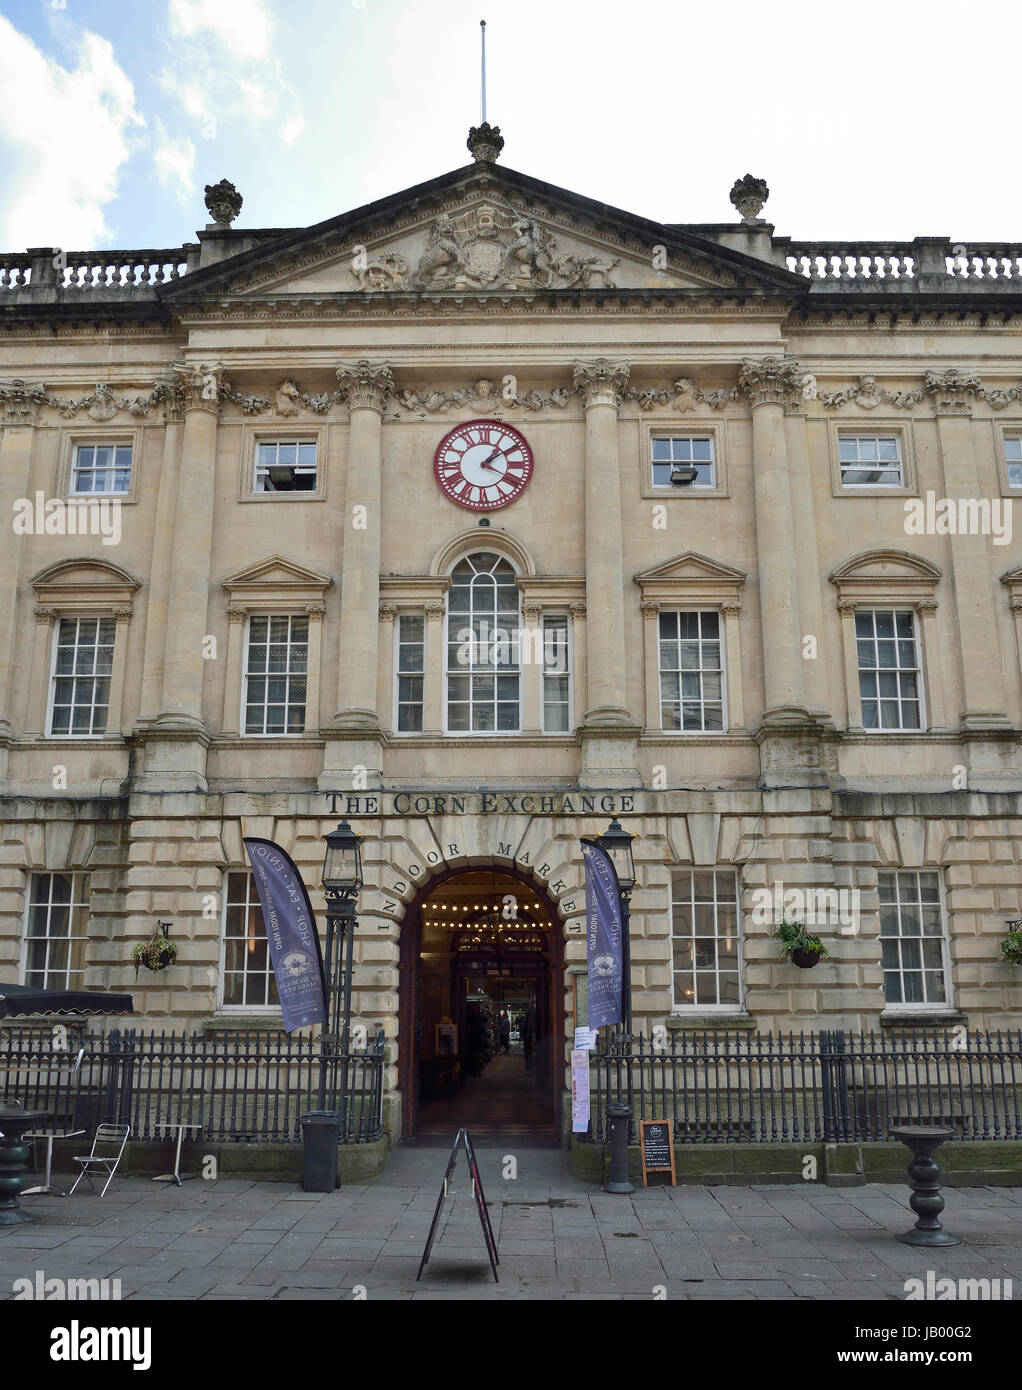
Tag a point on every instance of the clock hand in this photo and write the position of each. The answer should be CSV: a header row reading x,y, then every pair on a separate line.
x,y
488,462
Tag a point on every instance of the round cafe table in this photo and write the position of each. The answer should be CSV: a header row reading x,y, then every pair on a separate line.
x,y
13,1155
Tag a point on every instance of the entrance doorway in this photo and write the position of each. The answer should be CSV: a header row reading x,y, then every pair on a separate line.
x,y
481,1010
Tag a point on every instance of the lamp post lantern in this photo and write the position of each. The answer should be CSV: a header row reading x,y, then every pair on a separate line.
x,y
342,883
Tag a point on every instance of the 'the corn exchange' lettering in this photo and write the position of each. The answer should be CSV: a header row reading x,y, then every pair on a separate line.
x,y
408,803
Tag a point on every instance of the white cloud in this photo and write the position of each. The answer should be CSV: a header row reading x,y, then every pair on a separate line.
x,y
65,135
243,26
222,65
174,161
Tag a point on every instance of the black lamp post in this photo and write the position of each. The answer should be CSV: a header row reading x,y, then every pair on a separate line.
x,y
342,883
616,843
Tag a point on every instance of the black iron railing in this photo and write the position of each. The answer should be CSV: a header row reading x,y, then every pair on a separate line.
x,y
239,1088
763,1088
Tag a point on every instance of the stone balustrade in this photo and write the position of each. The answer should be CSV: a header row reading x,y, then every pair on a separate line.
x,y
50,269
898,266
15,270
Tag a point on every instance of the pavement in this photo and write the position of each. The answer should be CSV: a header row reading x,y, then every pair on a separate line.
x,y
558,1237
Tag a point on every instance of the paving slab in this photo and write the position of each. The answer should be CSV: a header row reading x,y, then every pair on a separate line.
x,y
233,1239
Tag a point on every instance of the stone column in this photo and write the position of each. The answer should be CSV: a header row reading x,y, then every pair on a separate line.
x,y
354,735
608,731
176,742
972,580
434,659
770,384
600,384
788,737
17,417
159,573
807,564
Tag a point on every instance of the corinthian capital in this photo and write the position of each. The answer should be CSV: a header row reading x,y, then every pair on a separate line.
x,y
183,387
20,401
951,390
364,384
600,382
771,380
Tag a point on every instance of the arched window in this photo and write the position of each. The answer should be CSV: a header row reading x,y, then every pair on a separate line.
x,y
483,685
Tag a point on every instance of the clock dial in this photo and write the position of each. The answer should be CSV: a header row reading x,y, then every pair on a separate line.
x,y
483,464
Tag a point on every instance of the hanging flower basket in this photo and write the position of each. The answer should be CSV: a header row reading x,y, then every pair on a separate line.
x,y
799,946
156,953
1011,949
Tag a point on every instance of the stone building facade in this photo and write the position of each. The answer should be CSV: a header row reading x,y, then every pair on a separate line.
x,y
749,518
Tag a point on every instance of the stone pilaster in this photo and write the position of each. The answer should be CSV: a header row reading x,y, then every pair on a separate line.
x,y
532,672
42,660
608,731
353,737
433,684
385,698
788,737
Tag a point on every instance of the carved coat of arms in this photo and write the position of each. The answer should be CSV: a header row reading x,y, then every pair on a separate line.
x,y
493,248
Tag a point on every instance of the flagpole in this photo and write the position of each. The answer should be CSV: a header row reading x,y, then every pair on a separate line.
x,y
482,30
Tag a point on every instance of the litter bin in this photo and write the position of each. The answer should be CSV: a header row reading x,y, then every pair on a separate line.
x,y
321,1131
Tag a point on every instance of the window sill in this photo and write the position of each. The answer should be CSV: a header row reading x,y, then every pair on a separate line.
x,y
924,1018
242,1023
704,1022
297,495
128,499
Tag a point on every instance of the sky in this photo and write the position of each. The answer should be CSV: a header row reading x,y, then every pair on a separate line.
x,y
868,121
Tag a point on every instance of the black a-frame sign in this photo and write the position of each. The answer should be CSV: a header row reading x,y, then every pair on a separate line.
x,y
463,1141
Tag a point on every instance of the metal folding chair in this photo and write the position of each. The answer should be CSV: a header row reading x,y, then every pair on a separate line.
x,y
114,1138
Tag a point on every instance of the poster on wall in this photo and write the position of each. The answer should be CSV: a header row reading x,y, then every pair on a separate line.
x,y
579,1090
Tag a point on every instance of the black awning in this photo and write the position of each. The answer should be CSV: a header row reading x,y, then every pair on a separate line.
x,y
20,1000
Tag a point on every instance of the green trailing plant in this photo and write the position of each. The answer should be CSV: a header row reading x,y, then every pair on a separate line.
x,y
1011,948
795,939
156,953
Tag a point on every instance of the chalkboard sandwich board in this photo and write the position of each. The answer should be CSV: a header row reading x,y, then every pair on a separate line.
x,y
463,1142
656,1147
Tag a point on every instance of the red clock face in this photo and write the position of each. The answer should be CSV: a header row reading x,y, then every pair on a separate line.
x,y
483,464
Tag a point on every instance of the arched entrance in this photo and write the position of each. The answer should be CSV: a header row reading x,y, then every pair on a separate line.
x,y
478,944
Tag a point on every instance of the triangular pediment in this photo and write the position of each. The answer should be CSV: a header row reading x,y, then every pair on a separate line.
x,y
276,573
690,565
480,230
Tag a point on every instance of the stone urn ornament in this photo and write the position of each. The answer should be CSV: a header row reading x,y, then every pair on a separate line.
x,y
486,142
223,202
748,195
